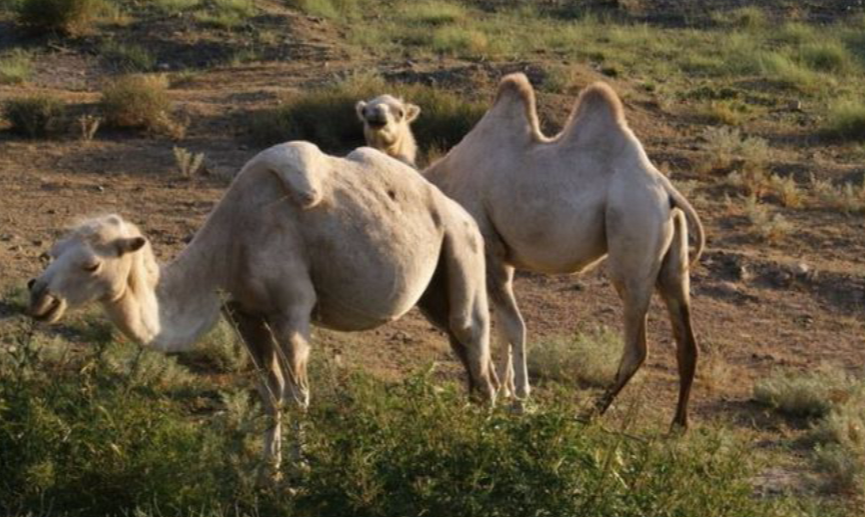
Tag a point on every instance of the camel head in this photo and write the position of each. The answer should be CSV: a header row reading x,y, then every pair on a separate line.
x,y
93,262
386,118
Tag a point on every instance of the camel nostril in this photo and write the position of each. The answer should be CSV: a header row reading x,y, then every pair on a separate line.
x,y
30,284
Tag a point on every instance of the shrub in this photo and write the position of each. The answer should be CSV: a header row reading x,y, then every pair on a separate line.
x,y
34,116
15,67
226,14
846,120
434,12
459,41
175,6
847,197
826,56
810,394
588,358
769,226
127,57
788,192
63,16
333,9
139,101
726,148
187,163
327,117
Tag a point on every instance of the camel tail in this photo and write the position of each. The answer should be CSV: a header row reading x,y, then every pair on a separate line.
x,y
677,200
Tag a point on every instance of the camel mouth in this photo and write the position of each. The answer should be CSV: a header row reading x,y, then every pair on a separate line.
x,y
376,124
49,309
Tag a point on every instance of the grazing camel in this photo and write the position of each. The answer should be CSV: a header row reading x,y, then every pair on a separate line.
x,y
560,204
299,238
386,126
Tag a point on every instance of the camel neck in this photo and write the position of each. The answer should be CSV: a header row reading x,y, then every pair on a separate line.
x,y
173,310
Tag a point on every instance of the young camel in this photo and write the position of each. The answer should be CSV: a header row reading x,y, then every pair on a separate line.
x,y
386,126
299,238
561,204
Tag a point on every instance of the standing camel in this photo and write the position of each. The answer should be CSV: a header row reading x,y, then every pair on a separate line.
x,y
299,238
561,204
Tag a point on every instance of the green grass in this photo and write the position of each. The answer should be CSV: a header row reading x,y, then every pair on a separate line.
x,y
101,428
15,67
174,7
34,116
806,394
846,120
127,57
226,14
326,116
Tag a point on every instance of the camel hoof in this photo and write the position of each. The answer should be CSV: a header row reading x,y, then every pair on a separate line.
x,y
522,407
677,430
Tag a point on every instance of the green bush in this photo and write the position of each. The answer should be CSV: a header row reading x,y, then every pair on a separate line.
x,y
327,116
830,56
127,57
15,67
35,116
62,16
846,120
811,394
139,101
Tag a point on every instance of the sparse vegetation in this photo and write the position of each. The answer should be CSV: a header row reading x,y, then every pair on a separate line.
x,y
748,156
847,197
15,67
89,125
140,101
188,163
326,116
787,191
769,225
588,358
810,394
127,57
35,116
226,14
846,120
61,16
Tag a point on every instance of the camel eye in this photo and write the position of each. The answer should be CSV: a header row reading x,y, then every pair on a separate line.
x,y
91,268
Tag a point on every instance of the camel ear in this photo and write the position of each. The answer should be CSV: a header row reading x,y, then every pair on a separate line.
x,y
412,112
125,246
359,107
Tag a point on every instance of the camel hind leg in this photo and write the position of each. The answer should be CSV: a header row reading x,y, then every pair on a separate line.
x,y
456,302
674,288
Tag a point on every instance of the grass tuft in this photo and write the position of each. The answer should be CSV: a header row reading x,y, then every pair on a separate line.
x,y
846,120
35,116
811,394
139,102
587,358
60,16
15,67
127,57
459,41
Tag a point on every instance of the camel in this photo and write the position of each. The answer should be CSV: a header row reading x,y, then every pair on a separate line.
x,y
562,204
386,126
299,238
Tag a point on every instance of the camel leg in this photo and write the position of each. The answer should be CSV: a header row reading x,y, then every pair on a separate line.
x,y
512,329
292,330
674,288
636,250
456,301
259,341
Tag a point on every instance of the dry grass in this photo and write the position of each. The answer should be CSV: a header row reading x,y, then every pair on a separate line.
x,y
769,226
811,394
847,197
187,163
588,358
140,102
89,125
60,16
35,116
15,67
787,191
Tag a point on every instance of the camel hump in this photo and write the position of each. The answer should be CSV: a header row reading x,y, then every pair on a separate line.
x,y
599,104
515,106
300,166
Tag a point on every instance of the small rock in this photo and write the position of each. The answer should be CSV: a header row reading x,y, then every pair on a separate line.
x,y
802,269
36,242
99,188
51,211
6,237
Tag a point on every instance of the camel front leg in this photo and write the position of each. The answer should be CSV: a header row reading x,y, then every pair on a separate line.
x,y
514,370
292,330
259,341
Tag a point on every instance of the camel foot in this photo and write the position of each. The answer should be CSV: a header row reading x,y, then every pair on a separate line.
x,y
522,406
677,430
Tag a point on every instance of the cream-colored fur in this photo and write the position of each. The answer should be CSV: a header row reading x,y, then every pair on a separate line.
x,y
386,126
561,204
299,238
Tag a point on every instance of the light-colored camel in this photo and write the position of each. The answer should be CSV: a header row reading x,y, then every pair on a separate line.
x,y
561,204
299,238
386,126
